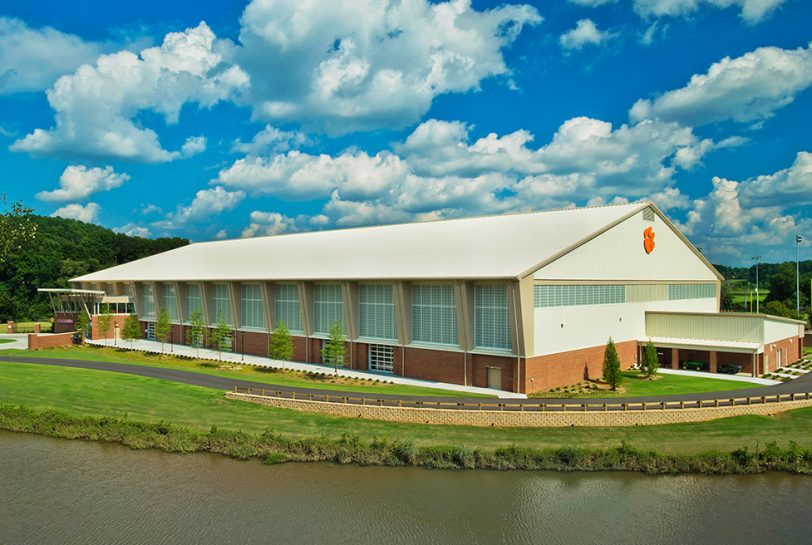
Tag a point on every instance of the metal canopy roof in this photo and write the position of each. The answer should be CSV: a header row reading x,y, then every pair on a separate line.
x,y
505,246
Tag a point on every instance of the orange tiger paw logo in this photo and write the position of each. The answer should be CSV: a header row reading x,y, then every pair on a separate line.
x,y
648,240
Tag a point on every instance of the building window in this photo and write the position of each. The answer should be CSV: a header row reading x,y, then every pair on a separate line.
x,y
221,304
287,306
328,307
578,294
376,311
252,314
491,325
691,291
381,358
194,302
148,302
170,302
434,315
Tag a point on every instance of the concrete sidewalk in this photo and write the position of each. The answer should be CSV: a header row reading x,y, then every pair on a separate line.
x,y
206,354
719,376
20,341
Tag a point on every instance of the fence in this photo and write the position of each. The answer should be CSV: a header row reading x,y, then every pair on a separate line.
x,y
521,406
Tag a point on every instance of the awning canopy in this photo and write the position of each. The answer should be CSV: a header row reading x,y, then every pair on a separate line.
x,y
706,344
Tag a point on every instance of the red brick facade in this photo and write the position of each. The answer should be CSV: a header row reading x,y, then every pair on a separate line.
x,y
38,341
551,371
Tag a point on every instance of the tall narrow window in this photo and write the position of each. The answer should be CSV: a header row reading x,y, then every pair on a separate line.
x,y
194,302
221,304
377,311
170,302
287,306
434,315
491,326
147,302
328,307
252,314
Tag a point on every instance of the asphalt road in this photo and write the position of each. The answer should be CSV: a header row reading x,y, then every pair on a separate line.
x,y
800,385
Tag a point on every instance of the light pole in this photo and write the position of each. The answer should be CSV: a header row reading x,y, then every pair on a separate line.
x,y
757,258
798,240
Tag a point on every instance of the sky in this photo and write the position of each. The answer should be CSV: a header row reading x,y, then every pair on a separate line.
x,y
228,119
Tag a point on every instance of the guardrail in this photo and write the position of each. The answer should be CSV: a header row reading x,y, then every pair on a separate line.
x,y
522,406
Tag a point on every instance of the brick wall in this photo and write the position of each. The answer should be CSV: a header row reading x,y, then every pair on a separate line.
x,y
440,365
791,351
551,371
526,419
38,341
97,334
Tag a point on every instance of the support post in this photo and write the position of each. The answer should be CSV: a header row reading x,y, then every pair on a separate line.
x,y
713,361
675,358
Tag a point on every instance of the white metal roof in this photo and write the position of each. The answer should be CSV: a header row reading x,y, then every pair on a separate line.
x,y
506,246
705,344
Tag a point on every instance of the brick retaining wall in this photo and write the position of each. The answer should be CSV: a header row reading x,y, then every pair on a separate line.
x,y
516,419
38,341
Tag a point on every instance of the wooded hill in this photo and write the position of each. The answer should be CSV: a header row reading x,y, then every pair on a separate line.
x,y
64,249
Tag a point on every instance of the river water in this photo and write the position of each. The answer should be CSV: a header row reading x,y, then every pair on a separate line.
x,y
73,492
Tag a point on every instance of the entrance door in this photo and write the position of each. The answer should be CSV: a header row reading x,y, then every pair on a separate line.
x,y
381,358
151,331
495,378
778,359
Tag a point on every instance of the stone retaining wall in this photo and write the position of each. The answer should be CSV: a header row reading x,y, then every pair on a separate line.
x,y
515,419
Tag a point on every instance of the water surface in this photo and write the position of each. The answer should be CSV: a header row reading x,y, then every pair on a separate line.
x,y
74,492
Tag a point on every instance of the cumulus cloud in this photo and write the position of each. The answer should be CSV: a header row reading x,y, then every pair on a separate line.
x,y
206,203
31,59
271,139
87,213
268,223
78,182
585,32
751,11
369,64
440,171
96,106
592,3
193,146
133,230
745,89
754,213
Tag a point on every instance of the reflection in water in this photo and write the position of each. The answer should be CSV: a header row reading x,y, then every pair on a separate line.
x,y
71,492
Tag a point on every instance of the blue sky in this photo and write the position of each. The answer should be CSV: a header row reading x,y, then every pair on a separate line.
x,y
228,119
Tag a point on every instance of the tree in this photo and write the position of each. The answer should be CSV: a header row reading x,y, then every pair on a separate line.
x,y
196,330
163,329
221,337
777,308
104,321
16,228
280,345
611,366
132,329
334,351
82,323
650,362
726,297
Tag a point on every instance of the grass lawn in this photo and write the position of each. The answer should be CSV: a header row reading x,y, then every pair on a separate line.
x,y
243,372
675,384
6,341
22,327
100,393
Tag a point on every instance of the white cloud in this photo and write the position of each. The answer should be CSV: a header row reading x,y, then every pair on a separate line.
x,y
193,146
755,214
439,171
270,139
96,106
151,209
32,58
752,11
745,89
206,203
584,33
592,3
78,182
133,230
268,223
88,213
343,66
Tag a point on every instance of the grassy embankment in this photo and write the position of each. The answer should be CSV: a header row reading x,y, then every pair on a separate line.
x,y
264,375
6,341
150,413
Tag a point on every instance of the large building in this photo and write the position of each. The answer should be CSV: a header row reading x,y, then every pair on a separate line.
x,y
521,302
